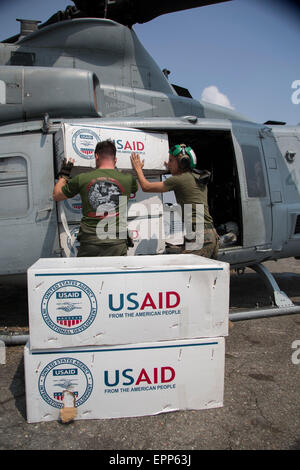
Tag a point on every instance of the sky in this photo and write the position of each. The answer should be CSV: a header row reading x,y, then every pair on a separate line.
x,y
243,54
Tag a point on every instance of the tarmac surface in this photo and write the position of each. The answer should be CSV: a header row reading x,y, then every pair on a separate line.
x,y
261,408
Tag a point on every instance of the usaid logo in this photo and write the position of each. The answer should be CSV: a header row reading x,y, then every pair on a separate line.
x,y
84,142
68,295
129,146
65,374
133,301
128,377
69,307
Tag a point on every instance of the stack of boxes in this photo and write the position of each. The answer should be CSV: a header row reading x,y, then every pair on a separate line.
x,y
128,336
146,223
145,211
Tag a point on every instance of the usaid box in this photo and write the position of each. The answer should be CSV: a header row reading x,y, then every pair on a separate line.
x,y
123,381
72,208
79,142
147,235
68,240
119,300
142,204
173,225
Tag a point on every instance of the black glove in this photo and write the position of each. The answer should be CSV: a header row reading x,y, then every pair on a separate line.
x,y
66,168
130,243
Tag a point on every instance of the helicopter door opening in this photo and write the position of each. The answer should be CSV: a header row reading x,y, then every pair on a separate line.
x,y
215,153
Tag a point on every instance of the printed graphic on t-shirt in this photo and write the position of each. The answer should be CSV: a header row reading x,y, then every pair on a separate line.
x,y
103,197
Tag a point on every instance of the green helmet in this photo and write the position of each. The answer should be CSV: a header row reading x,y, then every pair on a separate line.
x,y
186,156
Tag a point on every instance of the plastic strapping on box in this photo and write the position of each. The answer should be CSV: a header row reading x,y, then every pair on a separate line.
x,y
63,219
64,222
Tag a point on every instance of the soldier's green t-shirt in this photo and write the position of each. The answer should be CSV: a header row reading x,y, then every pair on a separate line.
x,y
100,191
188,191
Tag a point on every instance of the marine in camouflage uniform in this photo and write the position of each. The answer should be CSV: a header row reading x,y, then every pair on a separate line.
x,y
100,192
190,187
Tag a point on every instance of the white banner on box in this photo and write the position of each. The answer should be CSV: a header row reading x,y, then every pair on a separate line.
x,y
79,142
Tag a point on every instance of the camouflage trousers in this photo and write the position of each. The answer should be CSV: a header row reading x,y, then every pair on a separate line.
x,y
104,249
91,245
210,247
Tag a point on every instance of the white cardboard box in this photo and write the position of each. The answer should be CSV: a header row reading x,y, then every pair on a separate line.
x,y
68,240
119,300
145,206
173,225
142,204
79,142
132,380
147,234
72,208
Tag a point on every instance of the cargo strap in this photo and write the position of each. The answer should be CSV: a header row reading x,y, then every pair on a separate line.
x,y
64,222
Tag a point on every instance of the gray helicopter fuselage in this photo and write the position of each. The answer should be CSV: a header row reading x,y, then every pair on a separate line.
x,y
38,72
96,72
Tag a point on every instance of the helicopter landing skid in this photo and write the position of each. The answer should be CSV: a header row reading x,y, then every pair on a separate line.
x,y
279,298
282,304
2,353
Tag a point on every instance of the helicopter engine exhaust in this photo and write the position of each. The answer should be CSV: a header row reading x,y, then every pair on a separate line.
x,y
28,93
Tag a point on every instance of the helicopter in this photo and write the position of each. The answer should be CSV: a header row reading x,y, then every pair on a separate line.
x,y
86,66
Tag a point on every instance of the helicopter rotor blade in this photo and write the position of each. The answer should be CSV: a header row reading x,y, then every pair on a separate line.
x,y
130,12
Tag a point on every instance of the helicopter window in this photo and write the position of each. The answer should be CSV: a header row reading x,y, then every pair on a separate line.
x,y
182,91
14,198
254,171
22,58
2,92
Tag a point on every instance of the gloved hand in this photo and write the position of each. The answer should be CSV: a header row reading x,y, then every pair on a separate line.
x,y
66,168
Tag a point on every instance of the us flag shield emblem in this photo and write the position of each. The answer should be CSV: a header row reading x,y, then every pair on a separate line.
x,y
59,395
87,151
69,307
69,320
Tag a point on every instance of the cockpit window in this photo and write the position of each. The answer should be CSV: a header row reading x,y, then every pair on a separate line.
x,y
22,58
254,171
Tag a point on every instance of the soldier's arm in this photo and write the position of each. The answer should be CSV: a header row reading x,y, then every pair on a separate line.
x,y
58,195
147,186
